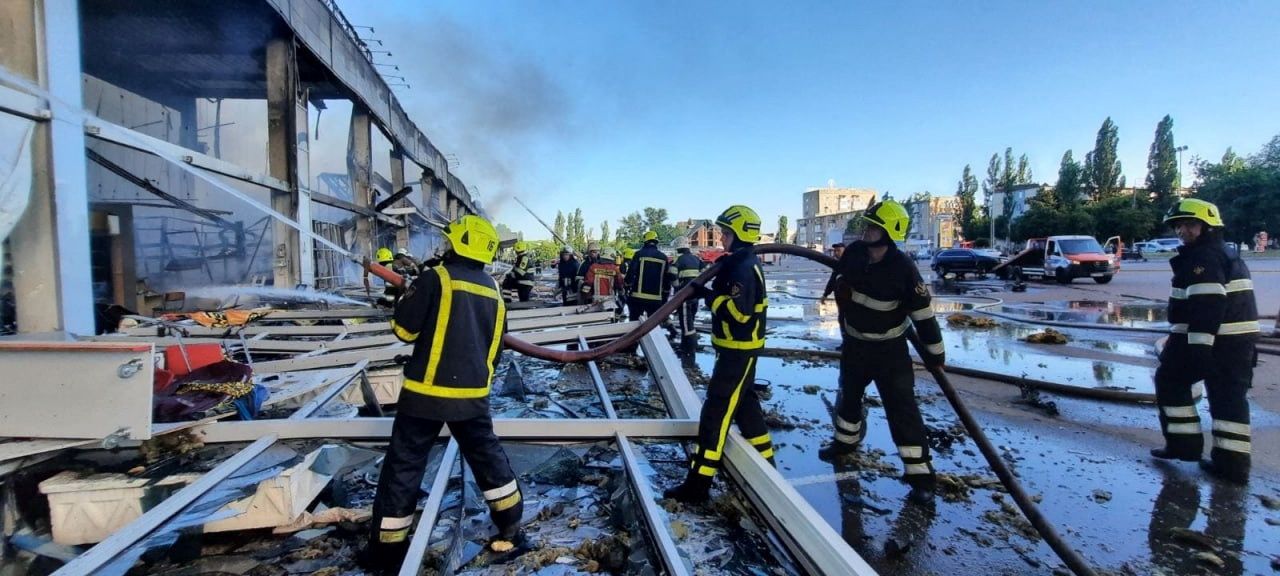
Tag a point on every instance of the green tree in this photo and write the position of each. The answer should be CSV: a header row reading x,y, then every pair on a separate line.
x,y
1245,191
1024,175
630,229
783,232
577,231
1043,218
966,205
1008,179
654,218
1162,166
605,238
559,226
1103,165
1129,218
1070,185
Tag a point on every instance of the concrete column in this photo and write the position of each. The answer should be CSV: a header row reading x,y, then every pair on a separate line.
x,y
397,183
51,280
282,89
359,160
441,196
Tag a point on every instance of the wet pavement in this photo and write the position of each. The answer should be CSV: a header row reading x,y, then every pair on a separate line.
x,y
1125,512
1091,358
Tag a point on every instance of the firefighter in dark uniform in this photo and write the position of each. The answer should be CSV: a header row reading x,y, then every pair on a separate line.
x,y
738,312
568,284
521,276
1214,320
593,256
687,267
624,264
881,295
647,279
390,293
454,316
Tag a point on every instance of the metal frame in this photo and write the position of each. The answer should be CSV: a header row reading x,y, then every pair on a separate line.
x,y
329,393
104,552
668,552
804,532
598,380
430,511
505,428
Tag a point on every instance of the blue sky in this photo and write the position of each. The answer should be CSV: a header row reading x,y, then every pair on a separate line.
x,y
692,106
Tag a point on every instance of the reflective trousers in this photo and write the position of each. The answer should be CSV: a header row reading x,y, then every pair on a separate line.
x,y
888,365
405,465
731,396
1227,385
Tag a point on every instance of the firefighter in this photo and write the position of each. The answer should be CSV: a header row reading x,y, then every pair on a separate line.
x,y
568,270
601,281
593,254
390,293
1214,320
520,277
454,316
647,279
687,267
880,294
738,311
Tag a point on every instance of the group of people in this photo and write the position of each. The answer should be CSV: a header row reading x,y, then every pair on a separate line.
x,y
454,315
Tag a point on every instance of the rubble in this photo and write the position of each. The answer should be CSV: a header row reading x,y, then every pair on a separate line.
x,y
960,319
1048,336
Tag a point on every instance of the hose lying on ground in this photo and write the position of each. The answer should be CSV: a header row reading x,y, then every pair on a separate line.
x,y
1073,560
1029,509
1064,389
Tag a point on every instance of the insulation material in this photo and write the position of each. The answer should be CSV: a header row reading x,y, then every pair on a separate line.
x,y
15,173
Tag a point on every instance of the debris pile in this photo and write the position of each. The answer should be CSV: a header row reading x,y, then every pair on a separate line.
x,y
960,319
1048,336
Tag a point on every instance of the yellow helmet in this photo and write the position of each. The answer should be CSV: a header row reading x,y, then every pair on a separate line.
x,y
628,253
522,247
384,255
473,238
743,221
650,236
1194,208
891,216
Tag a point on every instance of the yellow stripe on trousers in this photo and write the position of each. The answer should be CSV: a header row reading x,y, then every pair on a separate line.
x,y
733,406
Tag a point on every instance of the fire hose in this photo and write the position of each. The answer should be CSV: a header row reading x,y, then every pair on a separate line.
x,y
1069,556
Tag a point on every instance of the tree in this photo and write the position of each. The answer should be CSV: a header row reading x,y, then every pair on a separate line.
x,y
1122,216
1244,191
783,233
654,218
1023,175
1070,185
1102,164
990,186
630,229
604,233
577,231
1162,166
966,205
559,226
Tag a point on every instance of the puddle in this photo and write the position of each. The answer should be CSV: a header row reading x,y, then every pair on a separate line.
x,y
1090,487
1090,359
1129,313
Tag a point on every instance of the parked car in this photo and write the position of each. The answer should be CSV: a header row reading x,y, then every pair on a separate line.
x,y
1167,244
1147,247
961,261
